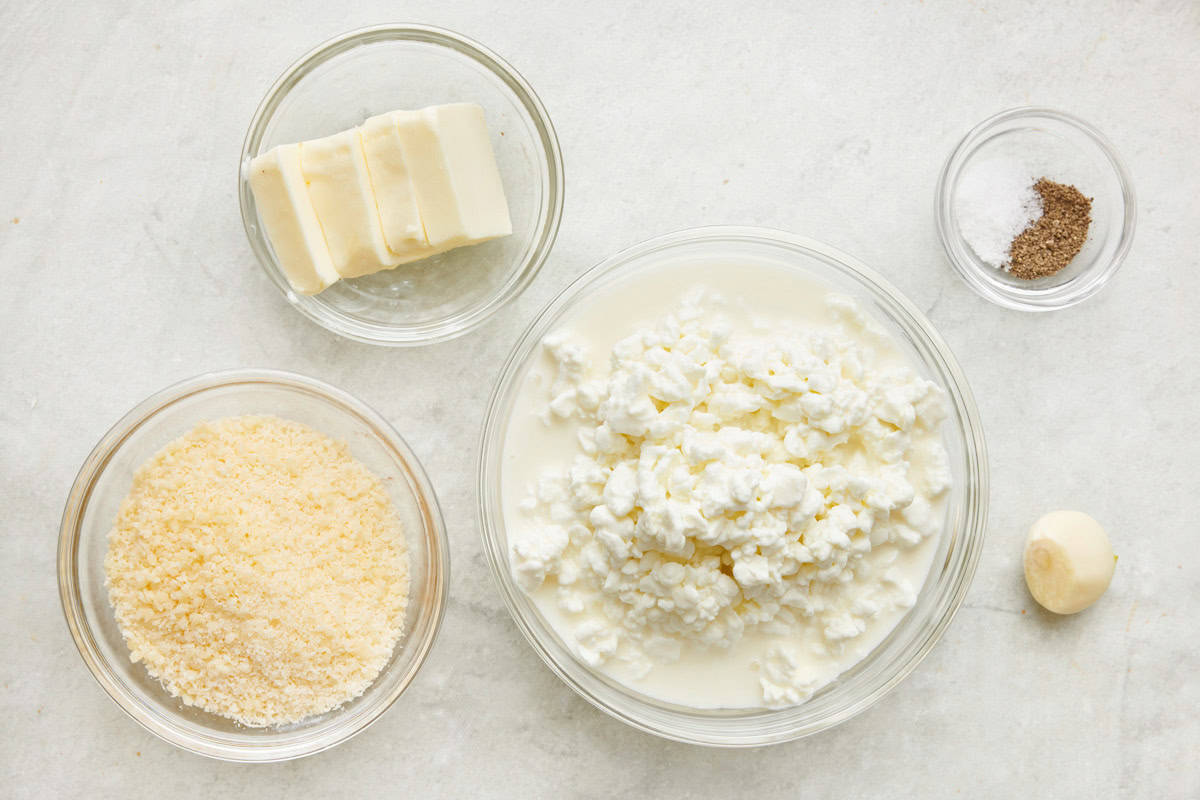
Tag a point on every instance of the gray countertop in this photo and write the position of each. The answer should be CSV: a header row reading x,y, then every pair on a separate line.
x,y
126,269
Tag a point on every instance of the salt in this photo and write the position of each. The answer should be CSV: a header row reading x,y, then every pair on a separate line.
x,y
994,204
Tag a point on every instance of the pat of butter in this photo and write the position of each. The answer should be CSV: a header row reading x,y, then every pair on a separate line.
x,y
335,169
394,195
454,175
289,220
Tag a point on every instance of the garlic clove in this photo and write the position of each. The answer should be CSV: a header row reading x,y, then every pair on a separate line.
x,y
1069,561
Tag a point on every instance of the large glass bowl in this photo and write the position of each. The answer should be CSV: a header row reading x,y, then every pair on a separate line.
x,y
105,479
373,70
953,564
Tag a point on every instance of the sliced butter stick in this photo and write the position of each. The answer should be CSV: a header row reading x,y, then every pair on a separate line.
x,y
289,221
449,156
335,170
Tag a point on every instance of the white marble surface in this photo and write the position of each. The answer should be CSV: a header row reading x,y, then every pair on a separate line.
x,y
128,270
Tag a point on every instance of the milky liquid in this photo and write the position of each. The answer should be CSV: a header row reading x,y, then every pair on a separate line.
x,y
759,297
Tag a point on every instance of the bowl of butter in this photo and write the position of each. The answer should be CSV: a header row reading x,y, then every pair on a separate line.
x,y
400,184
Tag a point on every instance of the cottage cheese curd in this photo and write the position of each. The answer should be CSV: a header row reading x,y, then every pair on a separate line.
x,y
730,503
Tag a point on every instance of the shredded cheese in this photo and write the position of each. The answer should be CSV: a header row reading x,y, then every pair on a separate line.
x,y
258,571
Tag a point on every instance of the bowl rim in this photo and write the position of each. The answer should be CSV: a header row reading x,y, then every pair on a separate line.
x,y
77,502
549,217
1018,298
973,516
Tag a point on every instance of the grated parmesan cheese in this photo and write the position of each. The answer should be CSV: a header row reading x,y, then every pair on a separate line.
x,y
258,571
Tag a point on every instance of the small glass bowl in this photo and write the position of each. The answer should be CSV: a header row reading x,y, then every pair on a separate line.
x,y
953,564
373,70
105,479
1064,149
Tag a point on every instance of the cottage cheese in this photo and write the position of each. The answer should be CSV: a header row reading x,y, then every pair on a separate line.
x,y
747,503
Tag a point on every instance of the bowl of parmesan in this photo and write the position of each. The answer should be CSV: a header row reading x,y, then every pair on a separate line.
x,y
253,565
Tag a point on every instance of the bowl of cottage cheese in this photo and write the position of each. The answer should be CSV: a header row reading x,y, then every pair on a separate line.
x,y
733,486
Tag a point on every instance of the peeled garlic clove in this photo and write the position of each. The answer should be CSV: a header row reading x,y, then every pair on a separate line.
x,y
1068,561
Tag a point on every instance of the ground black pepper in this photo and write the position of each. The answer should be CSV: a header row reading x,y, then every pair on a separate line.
x,y
1049,244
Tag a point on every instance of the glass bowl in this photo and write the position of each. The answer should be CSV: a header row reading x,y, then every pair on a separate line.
x,y
953,564
1062,148
373,70
105,479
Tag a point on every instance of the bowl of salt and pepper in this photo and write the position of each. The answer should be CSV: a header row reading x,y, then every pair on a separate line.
x,y
1035,209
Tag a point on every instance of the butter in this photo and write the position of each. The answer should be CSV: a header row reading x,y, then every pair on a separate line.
x,y
454,176
289,220
402,186
339,186
399,216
